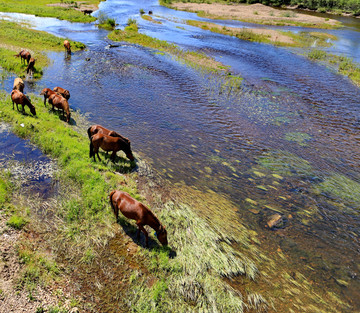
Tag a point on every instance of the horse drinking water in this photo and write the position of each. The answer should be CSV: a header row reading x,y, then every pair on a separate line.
x,y
133,209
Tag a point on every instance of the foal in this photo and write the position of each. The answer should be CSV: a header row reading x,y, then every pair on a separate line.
x,y
135,210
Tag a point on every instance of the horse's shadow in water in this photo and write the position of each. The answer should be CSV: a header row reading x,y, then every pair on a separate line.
x,y
131,231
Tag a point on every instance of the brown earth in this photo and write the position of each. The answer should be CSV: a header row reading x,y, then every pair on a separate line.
x,y
255,13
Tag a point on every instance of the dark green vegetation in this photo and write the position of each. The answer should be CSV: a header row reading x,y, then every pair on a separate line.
x,y
333,6
63,10
344,65
131,34
14,38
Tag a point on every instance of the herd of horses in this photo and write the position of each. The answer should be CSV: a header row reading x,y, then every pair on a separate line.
x,y
100,137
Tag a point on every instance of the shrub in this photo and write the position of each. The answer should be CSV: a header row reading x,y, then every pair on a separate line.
x,y
16,221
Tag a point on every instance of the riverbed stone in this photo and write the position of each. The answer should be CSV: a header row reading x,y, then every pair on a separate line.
x,y
275,220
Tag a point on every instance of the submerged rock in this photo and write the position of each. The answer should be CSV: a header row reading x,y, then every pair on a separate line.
x,y
275,220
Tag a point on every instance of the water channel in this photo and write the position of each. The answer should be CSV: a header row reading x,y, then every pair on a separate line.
x,y
286,141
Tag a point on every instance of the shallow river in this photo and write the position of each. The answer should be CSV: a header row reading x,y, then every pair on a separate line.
x,y
286,141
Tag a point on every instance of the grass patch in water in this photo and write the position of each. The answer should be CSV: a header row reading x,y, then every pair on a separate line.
x,y
285,163
195,59
343,188
14,37
298,137
150,19
41,8
103,21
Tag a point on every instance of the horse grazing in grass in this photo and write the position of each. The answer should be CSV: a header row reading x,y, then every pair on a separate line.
x,y
61,103
133,209
67,47
109,143
18,84
19,98
24,55
30,67
64,92
94,129
47,92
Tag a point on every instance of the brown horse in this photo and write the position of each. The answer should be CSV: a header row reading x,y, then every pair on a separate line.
x,y
24,55
18,84
64,92
108,143
135,210
30,67
47,92
19,98
60,102
92,130
67,47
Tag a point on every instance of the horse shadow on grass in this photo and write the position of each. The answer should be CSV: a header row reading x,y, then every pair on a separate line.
x,y
131,230
119,164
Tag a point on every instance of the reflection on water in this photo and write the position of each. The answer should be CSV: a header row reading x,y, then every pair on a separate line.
x,y
285,142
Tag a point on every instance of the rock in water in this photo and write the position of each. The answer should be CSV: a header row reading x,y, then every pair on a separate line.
x,y
275,220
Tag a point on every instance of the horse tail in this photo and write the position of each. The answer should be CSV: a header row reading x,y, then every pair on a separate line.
x,y
89,132
92,153
111,203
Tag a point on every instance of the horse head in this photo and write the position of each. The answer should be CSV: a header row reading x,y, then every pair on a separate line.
x,y
161,234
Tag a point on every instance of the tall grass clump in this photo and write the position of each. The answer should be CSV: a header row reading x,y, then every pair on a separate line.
x,y
105,22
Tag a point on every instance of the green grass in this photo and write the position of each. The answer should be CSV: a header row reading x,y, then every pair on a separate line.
x,y
105,22
14,37
87,219
344,65
17,221
40,8
131,34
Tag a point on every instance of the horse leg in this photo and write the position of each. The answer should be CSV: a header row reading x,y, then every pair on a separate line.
x,y
13,105
145,233
23,108
113,155
97,153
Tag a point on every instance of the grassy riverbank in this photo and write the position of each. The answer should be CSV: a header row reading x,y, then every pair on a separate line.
x,y
14,37
344,65
63,10
82,228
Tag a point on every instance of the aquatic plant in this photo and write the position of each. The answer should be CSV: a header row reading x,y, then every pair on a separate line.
x,y
284,163
343,188
298,137
105,22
